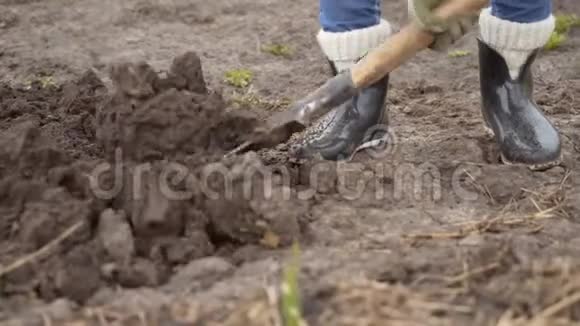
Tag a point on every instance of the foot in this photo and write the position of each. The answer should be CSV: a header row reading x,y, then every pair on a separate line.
x,y
523,133
507,51
349,127
352,126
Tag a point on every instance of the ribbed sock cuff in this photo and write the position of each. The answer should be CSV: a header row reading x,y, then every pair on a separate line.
x,y
345,48
514,41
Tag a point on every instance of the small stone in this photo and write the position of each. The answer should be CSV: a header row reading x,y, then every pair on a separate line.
x,y
116,236
200,269
58,309
183,250
142,273
109,270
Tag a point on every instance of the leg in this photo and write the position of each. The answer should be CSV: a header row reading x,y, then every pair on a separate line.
x,y
512,32
349,29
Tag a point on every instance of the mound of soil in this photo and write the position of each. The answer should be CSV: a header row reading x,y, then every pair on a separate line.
x,y
150,193
151,117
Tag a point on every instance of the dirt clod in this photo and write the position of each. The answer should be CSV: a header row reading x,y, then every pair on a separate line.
x,y
200,271
142,272
250,201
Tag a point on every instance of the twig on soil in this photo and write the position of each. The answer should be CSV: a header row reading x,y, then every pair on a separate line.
x,y
535,204
576,147
450,281
46,321
564,179
102,314
368,302
535,230
42,251
485,225
471,273
558,307
142,318
436,236
481,188
439,306
101,318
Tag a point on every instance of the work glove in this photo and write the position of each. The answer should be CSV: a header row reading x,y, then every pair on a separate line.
x,y
446,32
331,94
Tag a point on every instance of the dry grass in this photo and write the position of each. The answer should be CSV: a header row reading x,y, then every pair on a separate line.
x,y
45,250
495,223
372,303
548,205
366,302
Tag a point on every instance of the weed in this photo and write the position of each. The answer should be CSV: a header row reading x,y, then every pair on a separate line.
x,y
291,305
564,23
555,41
43,81
279,50
458,53
239,77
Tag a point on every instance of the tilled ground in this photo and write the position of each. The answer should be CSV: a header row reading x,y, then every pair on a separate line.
x,y
117,206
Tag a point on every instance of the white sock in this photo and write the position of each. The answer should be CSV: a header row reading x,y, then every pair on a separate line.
x,y
514,41
345,48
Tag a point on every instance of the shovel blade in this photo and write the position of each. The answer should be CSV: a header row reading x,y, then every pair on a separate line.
x,y
269,137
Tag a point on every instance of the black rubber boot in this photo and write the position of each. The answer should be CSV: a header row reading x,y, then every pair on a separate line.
x,y
356,125
523,133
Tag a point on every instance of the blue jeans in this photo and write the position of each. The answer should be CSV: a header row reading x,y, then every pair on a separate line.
x,y
347,15
521,11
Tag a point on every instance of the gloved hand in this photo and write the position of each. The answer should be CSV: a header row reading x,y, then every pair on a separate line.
x,y
446,32
331,94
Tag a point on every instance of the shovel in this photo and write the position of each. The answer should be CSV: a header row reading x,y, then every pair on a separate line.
x,y
398,49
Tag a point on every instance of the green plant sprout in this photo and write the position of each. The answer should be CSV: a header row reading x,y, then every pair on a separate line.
x,y
279,50
564,23
291,305
43,81
239,78
459,53
555,41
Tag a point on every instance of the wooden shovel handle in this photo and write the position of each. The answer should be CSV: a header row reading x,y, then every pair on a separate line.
x,y
402,46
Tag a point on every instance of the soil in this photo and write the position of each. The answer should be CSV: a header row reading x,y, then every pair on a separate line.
x,y
118,206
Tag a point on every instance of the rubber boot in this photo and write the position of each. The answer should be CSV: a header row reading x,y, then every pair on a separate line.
x,y
523,133
355,125
358,123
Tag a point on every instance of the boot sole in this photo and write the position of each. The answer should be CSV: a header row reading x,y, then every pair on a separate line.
x,y
366,145
373,141
533,167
